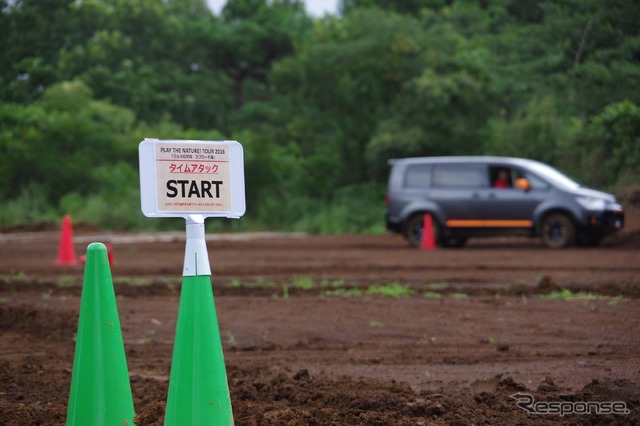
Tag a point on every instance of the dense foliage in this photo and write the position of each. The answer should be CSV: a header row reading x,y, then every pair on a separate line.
x,y
319,104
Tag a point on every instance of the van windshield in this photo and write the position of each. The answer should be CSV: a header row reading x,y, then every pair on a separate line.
x,y
554,176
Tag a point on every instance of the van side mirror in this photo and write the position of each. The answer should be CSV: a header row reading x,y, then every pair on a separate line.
x,y
523,183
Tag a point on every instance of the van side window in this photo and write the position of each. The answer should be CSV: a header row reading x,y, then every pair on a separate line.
x,y
460,176
536,182
418,176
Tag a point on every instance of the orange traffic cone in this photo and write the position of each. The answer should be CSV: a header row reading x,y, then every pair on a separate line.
x,y
428,241
110,254
66,251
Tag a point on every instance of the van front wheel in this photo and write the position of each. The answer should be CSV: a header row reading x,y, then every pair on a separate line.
x,y
558,230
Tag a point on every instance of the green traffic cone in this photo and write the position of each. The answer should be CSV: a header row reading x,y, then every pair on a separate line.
x,y
198,388
100,388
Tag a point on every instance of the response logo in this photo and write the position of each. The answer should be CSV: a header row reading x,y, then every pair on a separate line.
x,y
528,403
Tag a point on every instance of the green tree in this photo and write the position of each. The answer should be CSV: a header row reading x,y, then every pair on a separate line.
x,y
610,146
339,86
444,109
144,56
583,53
33,32
539,132
59,140
252,36
409,7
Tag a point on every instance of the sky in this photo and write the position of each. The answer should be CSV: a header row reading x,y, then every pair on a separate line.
x,y
315,8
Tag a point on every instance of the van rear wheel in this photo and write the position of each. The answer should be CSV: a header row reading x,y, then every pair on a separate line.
x,y
558,230
414,228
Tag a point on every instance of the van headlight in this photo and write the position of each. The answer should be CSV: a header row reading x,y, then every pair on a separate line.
x,y
591,203
616,208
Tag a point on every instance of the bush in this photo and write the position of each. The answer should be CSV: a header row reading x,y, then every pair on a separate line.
x,y
353,209
31,205
606,152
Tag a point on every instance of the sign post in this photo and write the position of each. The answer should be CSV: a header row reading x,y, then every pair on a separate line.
x,y
195,180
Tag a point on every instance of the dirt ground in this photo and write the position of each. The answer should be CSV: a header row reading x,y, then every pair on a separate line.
x,y
349,330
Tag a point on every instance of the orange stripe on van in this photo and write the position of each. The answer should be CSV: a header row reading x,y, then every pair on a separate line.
x,y
456,223
464,223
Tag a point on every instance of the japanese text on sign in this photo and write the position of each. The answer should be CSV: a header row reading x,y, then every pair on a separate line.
x,y
192,178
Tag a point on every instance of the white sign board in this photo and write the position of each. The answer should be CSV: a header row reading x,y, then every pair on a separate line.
x,y
180,178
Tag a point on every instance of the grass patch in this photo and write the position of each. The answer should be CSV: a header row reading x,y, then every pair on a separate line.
x,y
66,281
260,282
459,296
339,288
303,282
231,339
299,282
583,296
394,290
343,292
14,276
437,286
133,281
332,283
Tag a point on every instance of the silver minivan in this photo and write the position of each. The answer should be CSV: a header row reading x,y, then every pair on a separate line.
x,y
491,196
